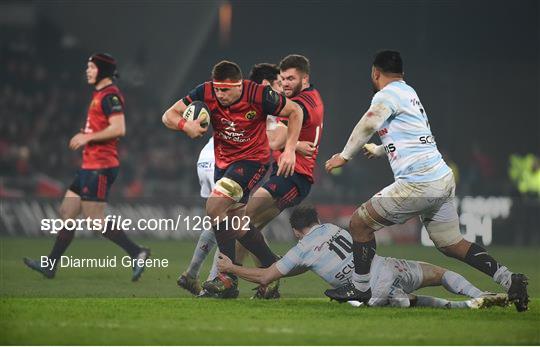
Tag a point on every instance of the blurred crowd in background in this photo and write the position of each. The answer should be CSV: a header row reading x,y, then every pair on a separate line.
x,y
44,99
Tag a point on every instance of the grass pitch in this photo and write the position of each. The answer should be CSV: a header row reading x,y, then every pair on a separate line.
x,y
102,306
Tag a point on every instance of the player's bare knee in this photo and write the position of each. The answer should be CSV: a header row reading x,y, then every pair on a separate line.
x,y
432,274
71,206
65,211
213,207
357,226
457,250
226,193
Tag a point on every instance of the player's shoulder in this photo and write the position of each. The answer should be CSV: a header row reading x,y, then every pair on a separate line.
x,y
253,92
110,89
391,94
396,88
309,97
111,95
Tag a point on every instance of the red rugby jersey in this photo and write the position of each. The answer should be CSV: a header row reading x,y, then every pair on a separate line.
x,y
240,129
106,102
311,102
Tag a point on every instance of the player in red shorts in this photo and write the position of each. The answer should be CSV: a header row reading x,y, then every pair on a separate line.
x,y
89,191
279,192
238,111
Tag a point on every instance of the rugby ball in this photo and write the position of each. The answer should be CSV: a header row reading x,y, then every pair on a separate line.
x,y
196,110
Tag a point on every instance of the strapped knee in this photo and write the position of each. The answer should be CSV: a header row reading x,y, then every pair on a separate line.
x,y
368,219
229,188
443,234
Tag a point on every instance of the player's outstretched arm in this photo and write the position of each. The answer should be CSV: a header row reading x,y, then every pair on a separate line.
x,y
255,275
370,122
172,118
287,159
116,129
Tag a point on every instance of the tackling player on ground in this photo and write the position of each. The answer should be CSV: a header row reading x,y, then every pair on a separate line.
x,y
424,185
89,192
326,250
238,110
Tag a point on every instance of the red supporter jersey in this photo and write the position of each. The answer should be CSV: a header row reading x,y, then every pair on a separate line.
x,y
106,102
311,103
240,129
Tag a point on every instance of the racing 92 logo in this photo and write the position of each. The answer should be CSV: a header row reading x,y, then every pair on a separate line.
x,y
389,148
428,139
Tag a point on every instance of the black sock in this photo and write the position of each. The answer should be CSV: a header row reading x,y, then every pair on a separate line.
x,y
254,242
120,238
226,241
478,258
363,253
63,239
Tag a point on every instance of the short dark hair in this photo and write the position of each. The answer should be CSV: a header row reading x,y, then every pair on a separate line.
x,y
388,61
264,71
303,216
226,70
296,61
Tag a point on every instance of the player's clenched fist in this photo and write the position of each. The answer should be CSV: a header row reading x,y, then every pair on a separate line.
x,y
371,150
193,128
306,148
336,161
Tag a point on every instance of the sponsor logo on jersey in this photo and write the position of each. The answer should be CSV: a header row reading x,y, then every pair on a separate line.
x,y
382,132
230,132
250,114
429,139
343,275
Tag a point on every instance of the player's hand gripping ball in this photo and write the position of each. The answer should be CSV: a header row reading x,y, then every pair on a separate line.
x,y
197,110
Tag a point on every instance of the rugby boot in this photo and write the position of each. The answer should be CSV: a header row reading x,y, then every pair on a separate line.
x,y
191,284
517,293
270,291
223,286
348,292
36,266
138,270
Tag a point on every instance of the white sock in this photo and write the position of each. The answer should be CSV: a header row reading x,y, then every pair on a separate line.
x,y
503,276
361,282
430,301
206,243
459,304
214,270
457,284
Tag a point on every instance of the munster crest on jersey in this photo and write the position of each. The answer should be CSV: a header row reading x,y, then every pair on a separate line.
x,y
251,114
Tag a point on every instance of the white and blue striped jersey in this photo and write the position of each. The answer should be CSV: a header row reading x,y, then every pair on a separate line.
x,y
205,168
406,136
325,250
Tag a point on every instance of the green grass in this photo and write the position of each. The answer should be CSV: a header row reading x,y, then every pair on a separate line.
x,y
102,306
